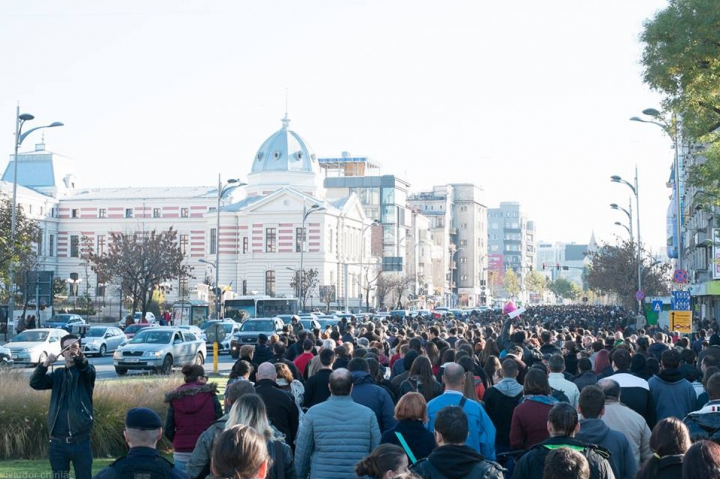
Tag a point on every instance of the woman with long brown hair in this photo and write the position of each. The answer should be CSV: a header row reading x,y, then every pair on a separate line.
x,y
669,441
421,379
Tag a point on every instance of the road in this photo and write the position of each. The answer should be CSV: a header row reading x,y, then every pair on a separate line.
x,y
105,370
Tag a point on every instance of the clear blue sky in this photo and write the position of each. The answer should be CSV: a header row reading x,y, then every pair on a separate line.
x,y
528,99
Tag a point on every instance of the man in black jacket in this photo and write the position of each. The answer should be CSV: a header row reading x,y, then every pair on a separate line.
x,y
281,408
705,423
562,425
500,402
317,388
453,458
70,418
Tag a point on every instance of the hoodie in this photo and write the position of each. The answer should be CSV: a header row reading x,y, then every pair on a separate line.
x,y
369,394
456,461
500,401
622,460
193,407
673,394
705,423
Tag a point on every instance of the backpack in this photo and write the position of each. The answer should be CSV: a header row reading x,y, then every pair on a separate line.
x,y
559,395
159,468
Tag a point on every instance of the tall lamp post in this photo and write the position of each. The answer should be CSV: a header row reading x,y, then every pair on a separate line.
x,y
222,189
617,223
636,192
672,130
19,138
453,267
362,251
306,212
628,212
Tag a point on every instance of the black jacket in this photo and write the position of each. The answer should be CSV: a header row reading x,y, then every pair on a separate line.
x,y
705,423
669,467
281,408
316,388
141,461
420,441
262,354
532,464
499,408
457,462
82,384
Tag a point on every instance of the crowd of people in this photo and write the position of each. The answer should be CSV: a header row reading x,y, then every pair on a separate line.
x,y
556,392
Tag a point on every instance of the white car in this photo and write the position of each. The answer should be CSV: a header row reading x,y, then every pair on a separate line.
x,y
35,345
159,349
149,317
100,340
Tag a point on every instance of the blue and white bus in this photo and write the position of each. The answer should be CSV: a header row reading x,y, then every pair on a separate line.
x,y
259,306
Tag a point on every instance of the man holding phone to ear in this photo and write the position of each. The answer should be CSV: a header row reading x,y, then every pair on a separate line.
x,y
70,417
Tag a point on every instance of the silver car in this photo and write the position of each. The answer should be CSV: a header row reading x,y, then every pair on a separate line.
x,y
35,345
100,340
159,349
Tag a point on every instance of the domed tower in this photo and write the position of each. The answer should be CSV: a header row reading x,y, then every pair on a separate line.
x,y
285,160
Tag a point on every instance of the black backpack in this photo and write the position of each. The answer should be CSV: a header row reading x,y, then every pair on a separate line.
x,y
559,395
156,468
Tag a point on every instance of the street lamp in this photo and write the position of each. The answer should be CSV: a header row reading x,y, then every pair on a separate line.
x,y
671,129
229,185
362,251
617,223
636,191
19,138
628,212
306,212
453,267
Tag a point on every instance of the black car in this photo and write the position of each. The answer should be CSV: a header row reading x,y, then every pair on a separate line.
x,y
251,329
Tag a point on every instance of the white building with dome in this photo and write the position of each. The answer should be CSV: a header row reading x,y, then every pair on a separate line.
x,y
260,232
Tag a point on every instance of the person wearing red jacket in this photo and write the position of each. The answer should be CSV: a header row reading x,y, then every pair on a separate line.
x,y
193,407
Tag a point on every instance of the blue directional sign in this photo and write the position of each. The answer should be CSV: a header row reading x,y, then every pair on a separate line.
x,y
657,305
680,301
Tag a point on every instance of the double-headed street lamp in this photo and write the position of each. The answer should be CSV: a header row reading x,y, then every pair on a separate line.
x,y
19,138
306,212
628,212
672,130
617,223
636,191
222,190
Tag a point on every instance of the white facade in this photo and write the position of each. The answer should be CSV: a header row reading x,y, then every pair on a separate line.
x,y
260,223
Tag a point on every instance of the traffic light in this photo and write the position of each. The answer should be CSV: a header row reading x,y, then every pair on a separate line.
x,y
557,266
543,266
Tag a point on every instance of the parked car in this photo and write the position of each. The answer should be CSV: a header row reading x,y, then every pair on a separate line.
x,y
64,321
100,340
159,349
309,324
133,329
229,325
150,317
327,320
251,329
192,328
35,345
5,357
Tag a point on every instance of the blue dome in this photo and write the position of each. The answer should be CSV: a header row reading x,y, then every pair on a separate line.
x,y
284,151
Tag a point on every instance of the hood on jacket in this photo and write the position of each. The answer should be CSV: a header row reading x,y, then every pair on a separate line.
x,y
361,377
593,430
455,461
509,387
191,397
707,418
670,375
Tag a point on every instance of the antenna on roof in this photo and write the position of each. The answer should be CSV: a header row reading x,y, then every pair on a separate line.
x,y
286,120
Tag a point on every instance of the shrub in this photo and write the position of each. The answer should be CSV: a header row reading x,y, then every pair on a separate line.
x,y
23,413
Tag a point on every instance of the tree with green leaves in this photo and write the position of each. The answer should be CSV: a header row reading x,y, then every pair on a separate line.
x,y
536,282
511,283
564,289
614,269
27,236
310,281
681,60
140,262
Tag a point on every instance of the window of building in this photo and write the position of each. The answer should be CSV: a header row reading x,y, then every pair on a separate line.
x,y
463,242
184,212
330,241
270,240
494,247
270,282
74,246
39,245
463,260
213,241
75,213
245,244
184,240
51,245
493,226
102,213
100,244
463,208
463,277
128,212
156,213
244,287
300,238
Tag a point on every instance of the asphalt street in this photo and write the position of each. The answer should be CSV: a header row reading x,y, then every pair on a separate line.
x,y
106,371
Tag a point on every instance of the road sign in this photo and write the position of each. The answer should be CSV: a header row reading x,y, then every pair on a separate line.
x,y
680,301
680,276
639,295
657,305
681,321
